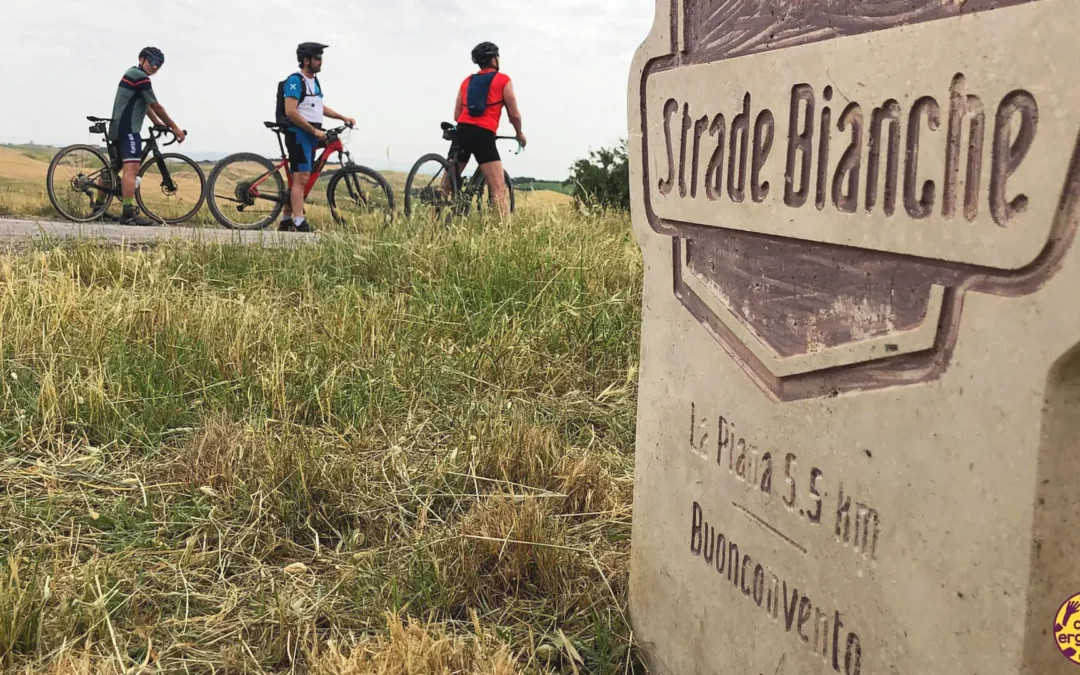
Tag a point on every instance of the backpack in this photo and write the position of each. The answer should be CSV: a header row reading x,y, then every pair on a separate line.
x,y
279,115
477,93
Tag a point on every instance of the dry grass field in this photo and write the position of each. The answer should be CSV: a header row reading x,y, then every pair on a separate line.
x,y
22,184
394,451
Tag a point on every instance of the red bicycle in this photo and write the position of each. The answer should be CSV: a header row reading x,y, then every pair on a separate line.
x,y
245,191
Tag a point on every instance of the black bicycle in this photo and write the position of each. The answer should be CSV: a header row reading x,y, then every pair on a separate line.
x,y
83,181
246,190
434,182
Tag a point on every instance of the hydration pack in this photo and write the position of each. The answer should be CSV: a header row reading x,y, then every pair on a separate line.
x,y
477,93
279,115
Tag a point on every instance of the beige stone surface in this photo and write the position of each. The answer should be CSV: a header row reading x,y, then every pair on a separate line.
x,y
856,432
863,72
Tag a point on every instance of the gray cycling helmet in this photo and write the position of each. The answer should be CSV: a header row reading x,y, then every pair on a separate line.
x,y
483,53
153,55
307,50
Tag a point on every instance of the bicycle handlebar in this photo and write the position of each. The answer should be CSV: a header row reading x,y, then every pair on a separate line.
x,y
331,134
512,138
159,130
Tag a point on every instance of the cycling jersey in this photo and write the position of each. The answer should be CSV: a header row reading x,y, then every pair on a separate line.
x,y
311,108
490,119
129,107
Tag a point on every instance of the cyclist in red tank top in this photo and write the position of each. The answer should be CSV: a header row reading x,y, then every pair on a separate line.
x,y
476,135
489,119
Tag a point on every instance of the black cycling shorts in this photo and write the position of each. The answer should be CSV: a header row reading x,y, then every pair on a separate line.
x,y
472,140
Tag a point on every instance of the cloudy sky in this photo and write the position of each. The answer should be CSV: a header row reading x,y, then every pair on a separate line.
x,y
394,65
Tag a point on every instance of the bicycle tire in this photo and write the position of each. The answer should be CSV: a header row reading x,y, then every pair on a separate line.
x,y
151,162
431,157
352,169
481,183
50,189
211,197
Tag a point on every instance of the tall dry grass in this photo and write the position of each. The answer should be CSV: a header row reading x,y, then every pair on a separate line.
x,y
394,451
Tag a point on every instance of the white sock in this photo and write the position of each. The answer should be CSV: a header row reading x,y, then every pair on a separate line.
x,y
299,220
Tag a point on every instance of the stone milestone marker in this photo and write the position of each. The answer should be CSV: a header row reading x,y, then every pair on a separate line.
x,y
860,387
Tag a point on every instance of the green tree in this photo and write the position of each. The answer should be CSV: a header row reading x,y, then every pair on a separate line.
x,y
603,178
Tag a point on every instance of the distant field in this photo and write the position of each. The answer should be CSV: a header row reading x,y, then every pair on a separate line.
x,y
22,181
550,185
41,153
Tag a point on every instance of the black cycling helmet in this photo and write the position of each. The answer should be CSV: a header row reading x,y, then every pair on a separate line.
x,y
307,50
153,55
483,53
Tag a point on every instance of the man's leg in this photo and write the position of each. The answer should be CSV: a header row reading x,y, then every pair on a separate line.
x,y
296,195
302,167
495,179
444,186
287,224
130,150
298,146
103,186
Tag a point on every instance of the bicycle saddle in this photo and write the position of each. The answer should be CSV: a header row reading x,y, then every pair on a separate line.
x,y
274,125
446,126
98,119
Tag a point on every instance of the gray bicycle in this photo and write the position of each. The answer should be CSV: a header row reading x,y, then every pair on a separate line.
x,y
435,184
82,181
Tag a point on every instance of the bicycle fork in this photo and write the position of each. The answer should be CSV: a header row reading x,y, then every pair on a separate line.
x,y
166,178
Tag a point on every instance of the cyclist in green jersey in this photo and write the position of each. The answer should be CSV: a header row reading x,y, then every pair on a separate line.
x,y
135,100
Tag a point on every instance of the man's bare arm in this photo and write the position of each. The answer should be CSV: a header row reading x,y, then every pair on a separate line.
x,y
330,112
154,117
458,104
512,111
163,118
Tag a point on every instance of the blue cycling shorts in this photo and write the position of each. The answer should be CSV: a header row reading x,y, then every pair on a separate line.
x,y
301,148
129,147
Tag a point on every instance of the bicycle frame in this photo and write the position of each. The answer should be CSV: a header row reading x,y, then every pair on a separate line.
x,y
333,146
150,148
470,186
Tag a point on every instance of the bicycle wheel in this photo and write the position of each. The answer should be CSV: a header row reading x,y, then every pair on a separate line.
x,y
81,183
483,200
357,193
171,188
245,191
432,186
